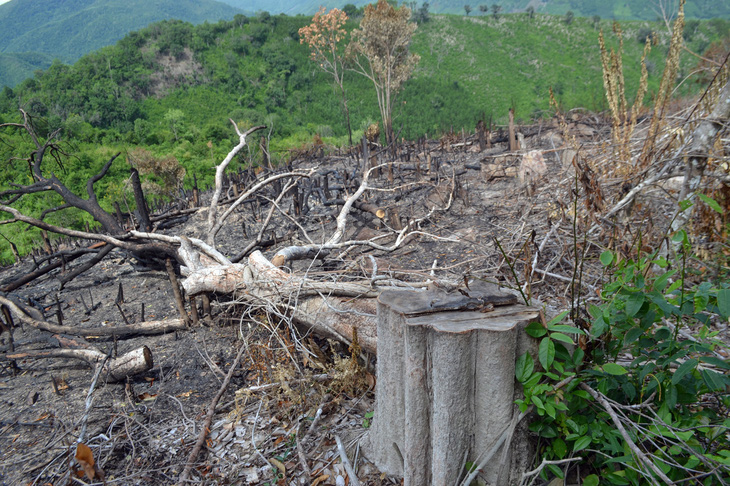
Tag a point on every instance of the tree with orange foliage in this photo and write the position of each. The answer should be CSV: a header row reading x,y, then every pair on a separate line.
x,y
323,36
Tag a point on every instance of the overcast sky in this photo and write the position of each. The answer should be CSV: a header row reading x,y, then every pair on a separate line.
x,y
4,1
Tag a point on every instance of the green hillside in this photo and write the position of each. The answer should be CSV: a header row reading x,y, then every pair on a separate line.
x,y
15,67
171,87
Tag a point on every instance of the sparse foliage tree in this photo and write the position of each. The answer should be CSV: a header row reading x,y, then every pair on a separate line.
x,y
379,50
324,37
167,170
350,9
495,10
174,118
569,16
483,8
467,9
596,21
530,11
421,15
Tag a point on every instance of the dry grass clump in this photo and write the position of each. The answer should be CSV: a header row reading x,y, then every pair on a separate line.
x,y
167,171
297,374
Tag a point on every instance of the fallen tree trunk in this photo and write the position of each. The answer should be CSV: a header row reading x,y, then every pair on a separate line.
x,y
116,369
139,328
334,309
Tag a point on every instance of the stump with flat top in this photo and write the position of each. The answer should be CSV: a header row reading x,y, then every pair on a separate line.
x,y
446,383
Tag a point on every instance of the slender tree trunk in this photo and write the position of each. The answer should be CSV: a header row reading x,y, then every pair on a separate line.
x,y
347,113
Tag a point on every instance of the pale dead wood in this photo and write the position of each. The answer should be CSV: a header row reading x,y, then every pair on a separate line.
x,y
622,430
354,481
117,369
139,328
220,170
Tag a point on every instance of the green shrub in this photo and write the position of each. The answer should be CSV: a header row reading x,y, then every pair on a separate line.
x,y
649,359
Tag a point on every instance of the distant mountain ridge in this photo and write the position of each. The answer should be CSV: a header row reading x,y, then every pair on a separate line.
x,y
69,29
608,9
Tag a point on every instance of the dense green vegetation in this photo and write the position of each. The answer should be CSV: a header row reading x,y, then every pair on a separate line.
x,y
172,86
663,392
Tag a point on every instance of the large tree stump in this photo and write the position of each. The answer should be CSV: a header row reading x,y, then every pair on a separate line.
x,y
445,381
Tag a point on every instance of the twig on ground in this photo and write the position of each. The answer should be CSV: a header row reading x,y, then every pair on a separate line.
x,y
209,418
639,454
542,465
346,462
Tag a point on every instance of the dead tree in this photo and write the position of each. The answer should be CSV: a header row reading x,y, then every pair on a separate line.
x,y
259,281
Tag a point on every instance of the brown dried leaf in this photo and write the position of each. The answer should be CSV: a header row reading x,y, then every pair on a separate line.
x,y
85,458
279,465
320,479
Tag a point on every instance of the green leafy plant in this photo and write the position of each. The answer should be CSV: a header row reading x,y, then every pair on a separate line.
x,y
644,394
368,420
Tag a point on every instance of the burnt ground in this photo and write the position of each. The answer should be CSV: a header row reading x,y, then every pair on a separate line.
x,y
142,431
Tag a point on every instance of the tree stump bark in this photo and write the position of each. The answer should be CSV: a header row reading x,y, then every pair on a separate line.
x,y
445,381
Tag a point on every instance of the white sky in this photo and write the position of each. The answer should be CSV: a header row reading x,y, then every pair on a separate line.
x,y
4,1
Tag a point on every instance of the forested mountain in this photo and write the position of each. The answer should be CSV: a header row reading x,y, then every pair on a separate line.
x,y
611,9
69,29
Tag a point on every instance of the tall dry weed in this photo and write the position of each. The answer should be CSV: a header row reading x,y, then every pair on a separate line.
x,y
623,117
671,67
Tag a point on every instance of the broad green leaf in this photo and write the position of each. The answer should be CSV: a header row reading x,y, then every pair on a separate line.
x,y
566,328
683,369
714,381
716,362
556,471
538,403
710,202
535,329
633,334
557,319
674,286
534,379
661,282
634,303
702,297
614,369
723,303
561,337
606,258
598,327
559,448
591,480
550,409
595,311
670,396
546,352
685,204
578,356
581,443
524,367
